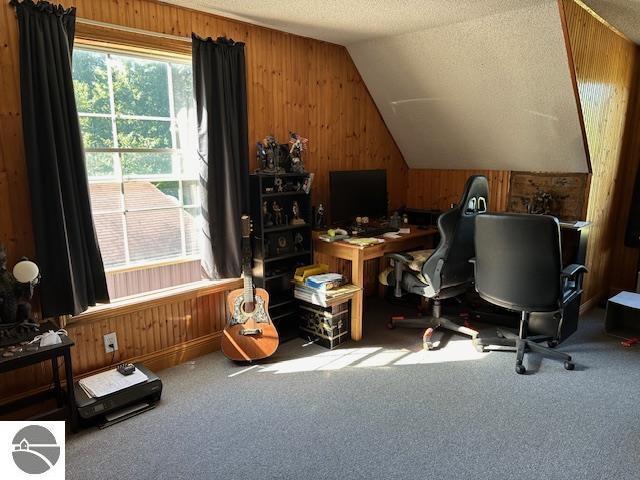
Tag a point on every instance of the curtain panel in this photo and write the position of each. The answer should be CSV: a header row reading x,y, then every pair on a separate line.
x,y
67,249
219,77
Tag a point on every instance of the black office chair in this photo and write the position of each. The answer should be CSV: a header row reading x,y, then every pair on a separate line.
x,y
518,266
444,272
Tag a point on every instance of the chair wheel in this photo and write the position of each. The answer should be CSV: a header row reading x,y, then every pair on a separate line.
x,y
569,365
552,343
520,370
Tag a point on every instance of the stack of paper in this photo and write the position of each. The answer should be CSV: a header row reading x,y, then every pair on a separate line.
x,y
109,382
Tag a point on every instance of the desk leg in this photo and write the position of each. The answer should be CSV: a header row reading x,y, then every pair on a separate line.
x,y
56,380
357,278
71,398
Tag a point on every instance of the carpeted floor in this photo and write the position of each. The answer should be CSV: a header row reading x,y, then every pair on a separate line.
x,y
383,409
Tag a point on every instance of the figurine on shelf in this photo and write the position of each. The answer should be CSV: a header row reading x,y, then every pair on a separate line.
x,y
306,186
319,217
268,154
277,213
266,215
298,146
297,242
395,221
296,214
277,185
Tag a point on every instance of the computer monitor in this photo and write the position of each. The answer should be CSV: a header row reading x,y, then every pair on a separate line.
x,y
357,193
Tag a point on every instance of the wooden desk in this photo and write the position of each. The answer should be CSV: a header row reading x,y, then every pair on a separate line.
x,y
417,239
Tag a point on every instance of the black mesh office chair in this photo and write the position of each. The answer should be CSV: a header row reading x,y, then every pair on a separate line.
x,y
518,266
444,272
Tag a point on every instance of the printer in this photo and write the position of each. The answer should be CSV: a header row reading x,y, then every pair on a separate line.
x,y
120,405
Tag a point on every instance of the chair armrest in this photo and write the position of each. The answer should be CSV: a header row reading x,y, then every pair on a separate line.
x,y
400,257
571,271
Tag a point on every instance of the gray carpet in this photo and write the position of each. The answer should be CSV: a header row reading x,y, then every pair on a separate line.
x,y
383,409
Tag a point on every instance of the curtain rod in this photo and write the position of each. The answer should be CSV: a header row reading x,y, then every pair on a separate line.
x,y
132,30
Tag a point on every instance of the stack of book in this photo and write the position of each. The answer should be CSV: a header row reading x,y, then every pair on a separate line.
x,y
322,289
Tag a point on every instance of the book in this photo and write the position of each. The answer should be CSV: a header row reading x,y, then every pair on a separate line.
x,y
324,281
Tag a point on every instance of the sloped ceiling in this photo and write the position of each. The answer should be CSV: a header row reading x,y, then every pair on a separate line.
x,y
624,15
465,84
490,93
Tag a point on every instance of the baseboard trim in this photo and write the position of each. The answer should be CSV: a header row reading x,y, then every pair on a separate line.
x,y
155,361
591,303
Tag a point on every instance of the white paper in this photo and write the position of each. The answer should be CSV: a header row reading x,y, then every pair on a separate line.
x,y
110,381
628,299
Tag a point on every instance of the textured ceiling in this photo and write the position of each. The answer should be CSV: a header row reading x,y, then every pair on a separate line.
x,y
349,21
489,93
624,15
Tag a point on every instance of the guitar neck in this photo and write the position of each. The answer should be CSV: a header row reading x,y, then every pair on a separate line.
x,y
246,270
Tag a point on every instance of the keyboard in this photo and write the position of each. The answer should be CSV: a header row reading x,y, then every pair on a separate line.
x,y
375,232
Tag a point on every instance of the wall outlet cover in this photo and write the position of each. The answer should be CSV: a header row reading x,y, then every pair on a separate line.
x,y
110,339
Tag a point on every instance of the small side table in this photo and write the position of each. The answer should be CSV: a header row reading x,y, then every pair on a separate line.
x,y
23,356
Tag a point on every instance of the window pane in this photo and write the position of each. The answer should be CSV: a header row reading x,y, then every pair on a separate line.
x,y
185,112
110,233
146,163
141,195
90,81
192,225
190,193
105,197
96,132
140,87
154,234
99,164
143,133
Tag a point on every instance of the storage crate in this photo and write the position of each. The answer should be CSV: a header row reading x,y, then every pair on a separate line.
x,y
327,326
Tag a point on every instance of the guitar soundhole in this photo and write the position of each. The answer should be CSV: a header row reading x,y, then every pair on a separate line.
x,y
248,307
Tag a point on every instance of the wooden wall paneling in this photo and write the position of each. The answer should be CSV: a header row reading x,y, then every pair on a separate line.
x,y
605,66
438,189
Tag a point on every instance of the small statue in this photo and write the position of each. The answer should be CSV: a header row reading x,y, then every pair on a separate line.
x,y
319,217
395,221
297,242
296,214
266,215
277,185
277,213
268,154
298,146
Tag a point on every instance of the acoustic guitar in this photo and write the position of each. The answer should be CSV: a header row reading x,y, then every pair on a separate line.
x,y
249,334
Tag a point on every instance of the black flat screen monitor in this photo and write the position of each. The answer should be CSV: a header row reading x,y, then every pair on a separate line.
x,y
357,193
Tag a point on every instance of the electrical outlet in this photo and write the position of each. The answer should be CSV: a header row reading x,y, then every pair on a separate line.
x,y
110,339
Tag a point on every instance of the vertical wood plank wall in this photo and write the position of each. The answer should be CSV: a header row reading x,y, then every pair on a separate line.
x,y
605,66
294,83
438,189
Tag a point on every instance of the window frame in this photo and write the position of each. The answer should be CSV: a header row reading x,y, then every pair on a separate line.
x,y
89,43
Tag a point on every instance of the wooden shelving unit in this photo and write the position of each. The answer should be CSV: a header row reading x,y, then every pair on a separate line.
x,y
276,255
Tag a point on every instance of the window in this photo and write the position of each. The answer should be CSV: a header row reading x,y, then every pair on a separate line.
x,y
138,123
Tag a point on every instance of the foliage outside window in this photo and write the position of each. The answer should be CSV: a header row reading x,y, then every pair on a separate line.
x,y
138,123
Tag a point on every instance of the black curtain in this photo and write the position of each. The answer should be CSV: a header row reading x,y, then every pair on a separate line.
x,y
66,244
220,90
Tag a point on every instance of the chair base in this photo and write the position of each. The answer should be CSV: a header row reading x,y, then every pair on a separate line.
x,y
510,341
431,324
